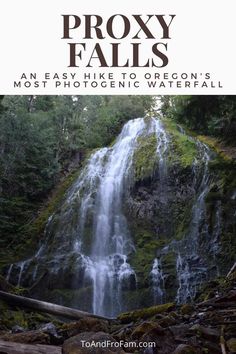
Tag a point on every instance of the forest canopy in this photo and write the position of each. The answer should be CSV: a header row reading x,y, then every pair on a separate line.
x,y
210,115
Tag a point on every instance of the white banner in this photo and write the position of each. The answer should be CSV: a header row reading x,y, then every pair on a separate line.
x,y
125,47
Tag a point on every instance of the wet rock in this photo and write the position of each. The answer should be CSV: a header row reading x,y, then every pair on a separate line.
x,y
91,343
231,344
185,349
164,341
17,329
51,330
84,325
186,309
167,321
144,328
206,332
179,331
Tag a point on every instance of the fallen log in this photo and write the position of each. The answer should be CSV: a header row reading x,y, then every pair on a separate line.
x,y
19,348
219,305
229,299
231,270
47,307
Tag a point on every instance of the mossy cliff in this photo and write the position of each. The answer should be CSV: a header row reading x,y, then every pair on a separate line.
x,y
160,211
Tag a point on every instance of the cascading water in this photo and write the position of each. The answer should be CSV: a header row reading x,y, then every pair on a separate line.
x,y
157,282
107,265
162,147
156,274
97,196
9,272
214,244
185,291
190,267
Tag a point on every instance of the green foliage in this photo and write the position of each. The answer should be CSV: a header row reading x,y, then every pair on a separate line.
x,y
211,115
41,139
105,115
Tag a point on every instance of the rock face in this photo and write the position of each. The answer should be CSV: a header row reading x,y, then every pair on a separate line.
x,y
148,221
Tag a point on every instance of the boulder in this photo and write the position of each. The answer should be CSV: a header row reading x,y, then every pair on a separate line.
x,y
51,330
186,309
167,321
206,332
91,343
17,329
87,324
144,328
164,341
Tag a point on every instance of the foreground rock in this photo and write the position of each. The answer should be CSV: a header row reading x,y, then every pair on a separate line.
x,y
83,344
88,324
206,327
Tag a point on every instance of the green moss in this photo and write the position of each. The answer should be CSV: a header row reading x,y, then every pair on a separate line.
x,y
146,246
186,309
215,145
182,148
54,202
145,313
10,318
138,298
145,157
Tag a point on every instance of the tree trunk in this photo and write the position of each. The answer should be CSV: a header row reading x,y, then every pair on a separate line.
x,y
43,306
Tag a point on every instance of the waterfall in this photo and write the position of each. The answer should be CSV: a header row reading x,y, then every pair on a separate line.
x,y
157,281
214,244
110,223
22,266
162,146
190,267
9,272
93,208
108,266
87,242
185,291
